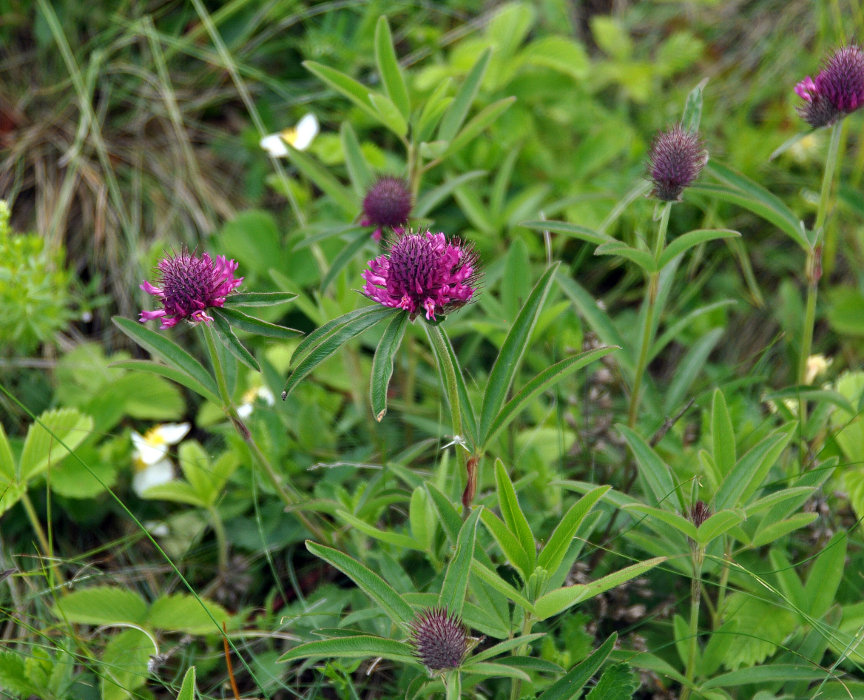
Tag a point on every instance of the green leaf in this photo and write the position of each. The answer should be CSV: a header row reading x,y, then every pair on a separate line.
x,y
748,473
181,612
382,364
458,110
509,544
722,435
432,111
42,446
175,492
244,322
389,114
358,169
693,108
344,84
491,578
548,378
717,524
14,675
618,682
569,686
368,581
456,579
231,343
7,461
355,647
197,469
501,647
168,351
767,534
771,673
428,201
388,67
477,124
395,538
102,605
560,599
651,467
338,335
345,256
169,373
512,511
556,547
642,258
257,299
825,576
421,518
668,517
496,670
510,356
188,687
440,344
448,515
572,230
124,664
691,239
688,369
324,180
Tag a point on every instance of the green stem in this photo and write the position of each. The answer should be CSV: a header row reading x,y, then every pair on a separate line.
x,y
287,493
695,599
453,684
649,309
448,373
221,541
516,683
44,544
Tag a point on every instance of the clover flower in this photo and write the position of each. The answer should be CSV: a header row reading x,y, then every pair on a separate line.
x,y
300,137
387,205
440,639
675,160
837,90
150,456
189,285
423,272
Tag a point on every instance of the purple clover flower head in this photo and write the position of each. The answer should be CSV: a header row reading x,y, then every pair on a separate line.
x,y
423,272
386,205
675,160
837,90
440,639
189,285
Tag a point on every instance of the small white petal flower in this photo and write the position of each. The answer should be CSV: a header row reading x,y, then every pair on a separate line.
x,y
152,467
817,365
299,137
152,475
247,405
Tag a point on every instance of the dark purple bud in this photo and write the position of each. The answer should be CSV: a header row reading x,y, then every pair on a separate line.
x,y
676,158
837,90
440,640
387,204
699,513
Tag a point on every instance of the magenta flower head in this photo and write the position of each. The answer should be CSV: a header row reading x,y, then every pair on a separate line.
x,y
837,90
423,272
675,160
189,285
440,639
386,205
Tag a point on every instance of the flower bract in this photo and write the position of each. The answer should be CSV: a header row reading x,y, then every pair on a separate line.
x,y
189,285
423,272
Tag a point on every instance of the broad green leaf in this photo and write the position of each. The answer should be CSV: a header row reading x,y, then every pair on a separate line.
x,y
693,108
748,473
169,372
42,446
825,576
355,647
258,299
382,364
432,111
668,517
181,612
642,258
429,200
15,676
358,169
491,578
345,256
572,230
722,435
244,322
691,239
232,343
102,605
324,180
124,664
787,579
618,682
477,124
368,581
543,381
769,673
448,516
188,687
168,351
512,511
560,599
456,579
395,538
344,84
569,686
458,109
335,340
556,547
388,67
656,474
389,114
510,356
767,534
777,498
558,53
717,524
509,544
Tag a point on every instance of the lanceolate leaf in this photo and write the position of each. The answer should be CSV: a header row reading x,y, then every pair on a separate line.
x,y
570,686
480,121
382,363
232,343
509,544
693,238
350,88
169,373
573,230
258,326
368,581
651,467
512,511
642,258
324,180
692,114
355,647
456,579
167,350
42,446
259,298
458,110
553,553
388,66
345,256
187,688
508,360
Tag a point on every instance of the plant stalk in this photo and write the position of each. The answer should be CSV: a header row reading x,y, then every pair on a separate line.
x,y
453,684
698,555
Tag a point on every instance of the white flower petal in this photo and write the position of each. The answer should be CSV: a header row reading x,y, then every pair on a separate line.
x,y
147,452
274,145
266,396
244,410
305,133
153,475
172,433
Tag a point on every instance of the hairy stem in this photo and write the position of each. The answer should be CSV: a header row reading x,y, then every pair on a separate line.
x,y
695,599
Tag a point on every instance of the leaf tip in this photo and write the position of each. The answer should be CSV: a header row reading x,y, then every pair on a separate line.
x,y
380,415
